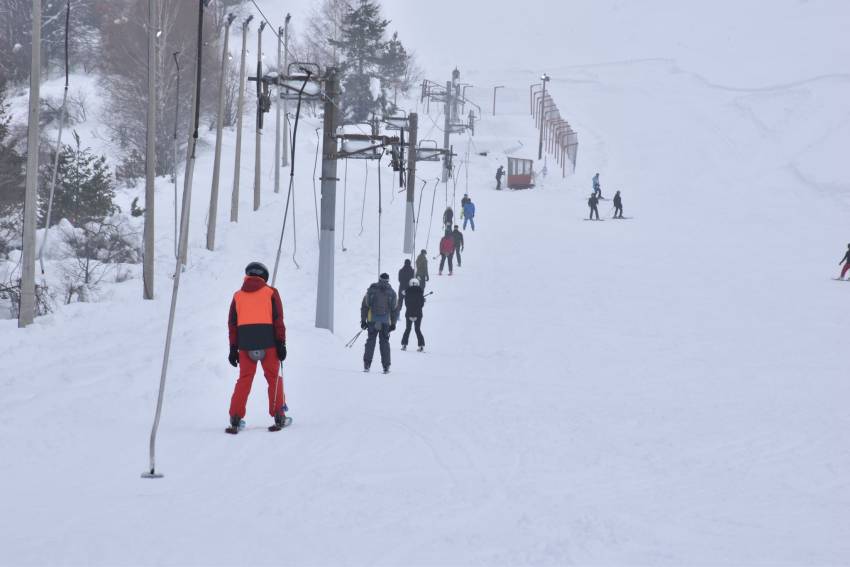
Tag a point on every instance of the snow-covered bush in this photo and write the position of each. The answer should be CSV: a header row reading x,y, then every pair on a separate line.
x,y
96,250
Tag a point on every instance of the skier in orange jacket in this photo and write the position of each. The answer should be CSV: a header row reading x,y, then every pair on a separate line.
x,y
257,334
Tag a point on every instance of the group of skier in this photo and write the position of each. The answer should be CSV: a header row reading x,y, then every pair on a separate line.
x,y
596,196
382,306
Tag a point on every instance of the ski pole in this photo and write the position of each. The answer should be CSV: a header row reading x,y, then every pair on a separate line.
x,y
350,343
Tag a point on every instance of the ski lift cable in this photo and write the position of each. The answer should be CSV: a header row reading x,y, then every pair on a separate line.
x,y
315,198
290,192
431,219
344,198
380,211
363,210
58,140
418,212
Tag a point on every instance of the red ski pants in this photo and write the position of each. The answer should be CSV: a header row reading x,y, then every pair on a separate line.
x,y
247,369
846,267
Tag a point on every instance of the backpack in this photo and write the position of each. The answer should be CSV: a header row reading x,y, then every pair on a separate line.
x,y
380,301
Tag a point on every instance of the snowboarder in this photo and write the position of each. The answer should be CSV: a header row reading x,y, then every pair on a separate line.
x,y
846,262
457,235
618,206
414,300
422,268
597,188
257,334
499,174
447,249
469,214
448,218
378,316
404,275
592,202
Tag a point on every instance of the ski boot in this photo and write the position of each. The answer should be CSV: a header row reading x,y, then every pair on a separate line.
x,y
236,424
403,347
280,420
420,349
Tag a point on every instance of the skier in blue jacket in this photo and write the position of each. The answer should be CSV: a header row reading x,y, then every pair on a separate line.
x,y
469,214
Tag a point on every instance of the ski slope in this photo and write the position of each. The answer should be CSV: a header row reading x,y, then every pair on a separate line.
x,y
665,390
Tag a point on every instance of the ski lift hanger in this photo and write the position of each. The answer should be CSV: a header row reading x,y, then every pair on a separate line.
x,y
396,122
428,150
299,75
363,146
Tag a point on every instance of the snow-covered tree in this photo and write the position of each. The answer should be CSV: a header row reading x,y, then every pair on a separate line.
x,y
12,179
84,186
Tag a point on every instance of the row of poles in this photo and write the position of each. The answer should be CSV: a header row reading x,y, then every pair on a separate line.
x,y
329,92
557,137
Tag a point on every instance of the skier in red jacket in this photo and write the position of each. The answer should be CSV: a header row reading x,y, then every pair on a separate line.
x,y
257,334
447,250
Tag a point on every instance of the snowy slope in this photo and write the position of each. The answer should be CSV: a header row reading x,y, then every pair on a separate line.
x,y
665,390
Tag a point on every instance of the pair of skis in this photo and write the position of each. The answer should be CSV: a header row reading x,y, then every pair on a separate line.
x,y
287,421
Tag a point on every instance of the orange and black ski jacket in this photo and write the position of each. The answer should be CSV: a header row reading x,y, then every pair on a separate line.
x,y
256,316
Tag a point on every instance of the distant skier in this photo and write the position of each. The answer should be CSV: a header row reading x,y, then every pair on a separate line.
x,y
378,317
592,202
404,276
597,188
457,235
257,334
422,268
846,262
447,249
463,203
414,300
499,174
448,218
469,214
618,206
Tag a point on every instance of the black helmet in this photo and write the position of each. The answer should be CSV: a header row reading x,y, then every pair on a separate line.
x,y
257,269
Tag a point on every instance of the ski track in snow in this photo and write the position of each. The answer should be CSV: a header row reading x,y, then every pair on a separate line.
x,y
666,391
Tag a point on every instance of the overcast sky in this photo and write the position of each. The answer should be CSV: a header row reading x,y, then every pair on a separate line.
x,y
739,42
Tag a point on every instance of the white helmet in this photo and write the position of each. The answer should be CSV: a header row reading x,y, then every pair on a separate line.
x,y
414,282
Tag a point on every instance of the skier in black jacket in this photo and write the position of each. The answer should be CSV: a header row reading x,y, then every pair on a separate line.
x,y
618,206
448,218
405,274
458,236
592,203
414,299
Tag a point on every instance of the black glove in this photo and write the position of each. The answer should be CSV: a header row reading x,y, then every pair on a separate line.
x,y
233,357
281,351
363,325
392,326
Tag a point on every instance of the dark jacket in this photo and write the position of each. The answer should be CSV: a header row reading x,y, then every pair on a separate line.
x,y
458,236
422,267
405,274
593,201
500,172
448,216
846,258
255,323
414,300
618,202
379,304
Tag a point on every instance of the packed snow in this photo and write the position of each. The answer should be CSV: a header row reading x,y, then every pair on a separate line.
x,y
669,389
